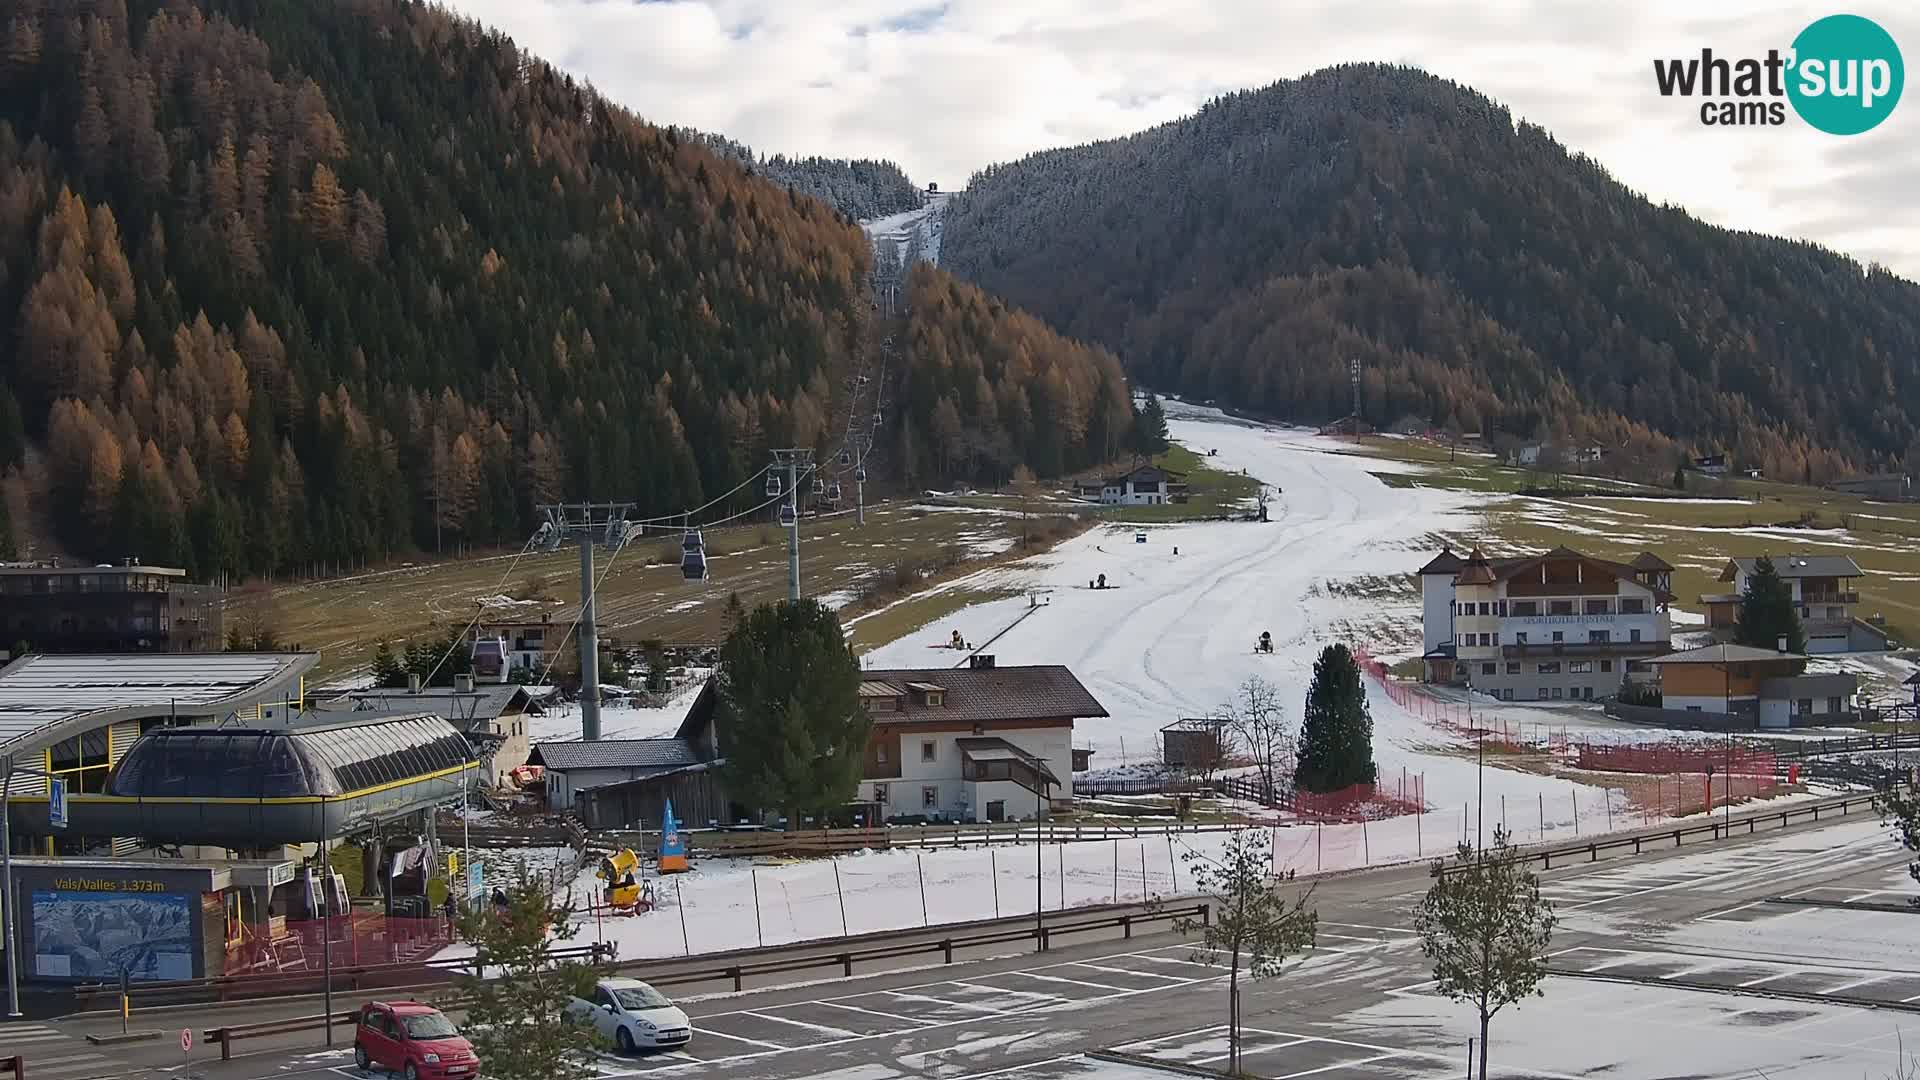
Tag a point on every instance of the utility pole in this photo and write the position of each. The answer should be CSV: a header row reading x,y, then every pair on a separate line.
x,y
793,460
586,524
1353,370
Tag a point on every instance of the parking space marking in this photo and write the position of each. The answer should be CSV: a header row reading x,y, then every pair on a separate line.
x,y
1008,990
1402,931
1248,1051
1130,971
873,1012
1069,982
838,1033
740,1038
950,1004
1341,1065
1851,983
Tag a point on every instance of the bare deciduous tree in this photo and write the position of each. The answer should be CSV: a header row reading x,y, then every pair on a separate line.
x,y
1258,721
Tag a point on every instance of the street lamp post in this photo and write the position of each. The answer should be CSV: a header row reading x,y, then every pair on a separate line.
x,y
6,890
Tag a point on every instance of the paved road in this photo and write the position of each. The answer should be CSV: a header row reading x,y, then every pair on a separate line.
x,y
1693,930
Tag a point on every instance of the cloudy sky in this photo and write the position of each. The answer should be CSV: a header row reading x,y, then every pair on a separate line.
x,y
944,88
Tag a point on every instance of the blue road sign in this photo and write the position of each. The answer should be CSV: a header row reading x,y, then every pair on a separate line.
x,y
57,803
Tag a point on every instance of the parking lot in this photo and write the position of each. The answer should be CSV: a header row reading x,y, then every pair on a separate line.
x,y
1278,1055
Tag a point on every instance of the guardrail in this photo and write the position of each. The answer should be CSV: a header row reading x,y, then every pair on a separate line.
x,y
841,841
1717,829
225,987
1002,932
1802,749
233,1033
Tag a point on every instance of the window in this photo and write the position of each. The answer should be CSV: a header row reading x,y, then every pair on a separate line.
x,y
1541,692
1606,666
1549,667
1486,608
1836,613
1519,637
1693,708
930,797
1599,637
928,750
1486,639
1633,635
882,704
1506,694
1559,635
1556,693
1579,667
1803,705
1500,608
1526,607
1487,669
880,794
1632,605
1599,607
1513,667
1560,607
936,697
1833,704
880,754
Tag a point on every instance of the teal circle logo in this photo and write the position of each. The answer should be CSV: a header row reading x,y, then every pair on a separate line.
x,y
1847,75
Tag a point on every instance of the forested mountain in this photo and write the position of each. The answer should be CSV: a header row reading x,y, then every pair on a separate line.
x,y
861,189
1479,272
988,389
298,282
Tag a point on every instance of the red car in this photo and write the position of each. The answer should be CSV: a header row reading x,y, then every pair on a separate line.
x,y
414,1040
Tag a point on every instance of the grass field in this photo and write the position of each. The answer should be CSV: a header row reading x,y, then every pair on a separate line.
x,y
1715,521
642,593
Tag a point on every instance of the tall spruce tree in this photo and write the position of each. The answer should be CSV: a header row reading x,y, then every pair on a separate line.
x,y
1150,427
790,716
1767,613
1336,730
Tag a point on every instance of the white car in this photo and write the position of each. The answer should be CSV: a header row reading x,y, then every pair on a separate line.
x,y
633,1015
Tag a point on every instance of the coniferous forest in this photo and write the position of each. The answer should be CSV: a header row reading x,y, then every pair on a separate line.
x,y
1483,276
299,283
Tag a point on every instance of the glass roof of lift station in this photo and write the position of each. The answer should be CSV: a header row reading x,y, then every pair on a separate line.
x,y
328,759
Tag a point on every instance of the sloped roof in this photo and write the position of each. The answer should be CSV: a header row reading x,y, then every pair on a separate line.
x,y
669,753
1506,569
1647,560
485,701
1444,563
40,691
989,748
1799,566
1477,571
1724,654
1037,692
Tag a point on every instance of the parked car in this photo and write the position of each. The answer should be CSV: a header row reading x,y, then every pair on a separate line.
x,y
633,1015
417,1041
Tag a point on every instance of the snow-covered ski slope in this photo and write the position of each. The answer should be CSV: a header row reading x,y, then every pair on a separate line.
x,y
913,233
1173,635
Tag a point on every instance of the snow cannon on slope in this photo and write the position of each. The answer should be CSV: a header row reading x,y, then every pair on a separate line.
x,y
1265,644
625,891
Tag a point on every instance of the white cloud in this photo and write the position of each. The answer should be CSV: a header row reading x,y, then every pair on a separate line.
x,y
946,88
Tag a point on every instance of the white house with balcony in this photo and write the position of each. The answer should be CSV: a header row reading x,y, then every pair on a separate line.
x,y
1558,626
1824,593
979,743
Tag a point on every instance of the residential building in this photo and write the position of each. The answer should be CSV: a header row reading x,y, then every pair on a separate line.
x,y
1823,591
628,781
1711,464
1764,687
1551,627
1146,485
493,717
501,646
1883,486
108,609
980,743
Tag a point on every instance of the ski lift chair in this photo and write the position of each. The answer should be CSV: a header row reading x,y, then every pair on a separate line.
x,y
846,457
819,486
786,515
693,556
860,475
833,491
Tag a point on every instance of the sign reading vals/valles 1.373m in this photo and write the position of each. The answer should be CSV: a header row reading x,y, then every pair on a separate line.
x,y
1843,75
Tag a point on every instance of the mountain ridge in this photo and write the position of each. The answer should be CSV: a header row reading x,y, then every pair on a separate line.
x,y
1619,315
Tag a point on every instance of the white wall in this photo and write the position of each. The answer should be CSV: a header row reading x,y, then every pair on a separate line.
x,y
1779,714
1715,703
1436,611
905,794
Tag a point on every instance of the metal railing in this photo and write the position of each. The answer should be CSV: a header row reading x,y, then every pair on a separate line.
x,y
1715,830
737,971
221,988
